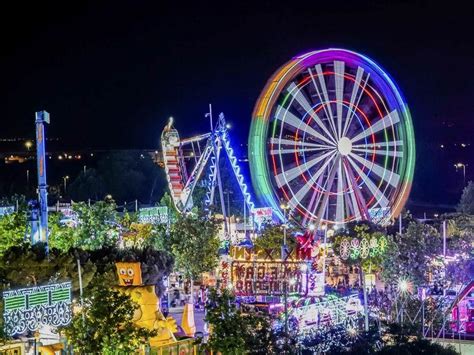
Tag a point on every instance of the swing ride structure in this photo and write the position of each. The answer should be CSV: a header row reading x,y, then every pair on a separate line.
x,y
332,140
206,152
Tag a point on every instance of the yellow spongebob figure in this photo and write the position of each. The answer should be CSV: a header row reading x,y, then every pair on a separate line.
x,y
129,274
148,315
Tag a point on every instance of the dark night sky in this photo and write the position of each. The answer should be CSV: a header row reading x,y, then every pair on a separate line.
x,y
111,73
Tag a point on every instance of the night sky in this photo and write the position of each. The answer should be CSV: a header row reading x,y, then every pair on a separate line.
x,y
112,72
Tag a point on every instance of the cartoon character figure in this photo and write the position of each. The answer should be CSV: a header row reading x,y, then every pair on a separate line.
x,y
129,273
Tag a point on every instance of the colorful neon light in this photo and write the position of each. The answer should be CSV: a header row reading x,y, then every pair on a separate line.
x,y
341,141
28,309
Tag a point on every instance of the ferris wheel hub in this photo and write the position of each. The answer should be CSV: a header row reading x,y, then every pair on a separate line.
x,y
344,146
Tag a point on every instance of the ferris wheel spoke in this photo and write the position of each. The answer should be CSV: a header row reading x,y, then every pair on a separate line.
x,y
287,117
340,194
323,102
389,176
324,90
390,153
301,99
293,143
327,188
357,91
339,81
299,196
355,206
286,176
296,150
379,196
388,121
379,145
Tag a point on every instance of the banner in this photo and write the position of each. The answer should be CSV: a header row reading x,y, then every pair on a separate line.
x,y
262,216
153,215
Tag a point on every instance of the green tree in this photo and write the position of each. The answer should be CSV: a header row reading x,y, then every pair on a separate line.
x,y
105,325
61,236
13,230
96,227
194,244
29,265
232,331
466,204
408,255
272,237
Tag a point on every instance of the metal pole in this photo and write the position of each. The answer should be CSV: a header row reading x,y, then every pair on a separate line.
x,y
400,224
366,306
444,278
228,207
423,317
210,117
42,117
136,205
79,272
245,214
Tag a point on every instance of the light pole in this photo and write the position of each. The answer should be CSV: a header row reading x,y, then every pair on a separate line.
x,y
285,207
463,166
65,179
228,192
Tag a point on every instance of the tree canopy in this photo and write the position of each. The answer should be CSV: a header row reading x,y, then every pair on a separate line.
x,y
466,204
105,325
195,244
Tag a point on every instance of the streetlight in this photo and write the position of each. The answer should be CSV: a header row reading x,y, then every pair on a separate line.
x,y
463,166
28,145
65,179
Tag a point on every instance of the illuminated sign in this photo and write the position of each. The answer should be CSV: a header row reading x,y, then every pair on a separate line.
x,y
28,309
157,215
318,312
364,248
251,278
262,216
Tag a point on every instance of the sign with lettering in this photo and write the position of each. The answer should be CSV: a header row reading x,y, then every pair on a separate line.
x,y
153,215
251,278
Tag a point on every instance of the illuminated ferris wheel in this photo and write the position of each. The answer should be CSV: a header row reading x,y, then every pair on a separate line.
x,y
332,138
